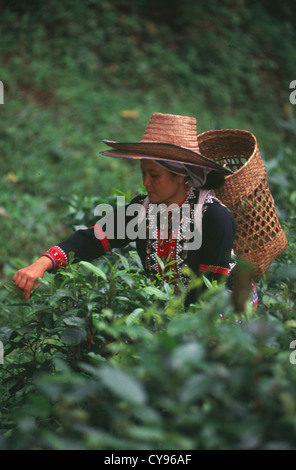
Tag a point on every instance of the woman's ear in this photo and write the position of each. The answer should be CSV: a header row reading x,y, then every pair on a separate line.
x,y
181,179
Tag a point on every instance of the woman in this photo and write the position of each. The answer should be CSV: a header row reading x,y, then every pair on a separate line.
x,y
180,187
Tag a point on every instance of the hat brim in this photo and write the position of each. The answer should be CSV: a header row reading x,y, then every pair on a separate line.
x,y
162,151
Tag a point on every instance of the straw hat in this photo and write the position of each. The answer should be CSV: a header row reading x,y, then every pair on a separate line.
x,y
260,238
168,137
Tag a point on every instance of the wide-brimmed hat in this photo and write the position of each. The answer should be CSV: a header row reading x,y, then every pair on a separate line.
x,y
170,138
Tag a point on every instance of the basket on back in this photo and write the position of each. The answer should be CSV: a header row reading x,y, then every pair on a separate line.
x,y
260,238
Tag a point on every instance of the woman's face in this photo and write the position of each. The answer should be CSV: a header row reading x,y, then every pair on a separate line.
x,y
162,186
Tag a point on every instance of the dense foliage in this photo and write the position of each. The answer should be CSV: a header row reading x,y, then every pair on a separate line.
x,y
100,357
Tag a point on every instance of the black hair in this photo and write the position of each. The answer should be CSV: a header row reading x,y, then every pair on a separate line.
x,y
214,180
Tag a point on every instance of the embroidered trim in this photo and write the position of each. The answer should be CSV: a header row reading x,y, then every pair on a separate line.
x,y
57,256
100,234
255,295
214,269
173,245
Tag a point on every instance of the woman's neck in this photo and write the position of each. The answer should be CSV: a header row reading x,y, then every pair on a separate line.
x,y
179,198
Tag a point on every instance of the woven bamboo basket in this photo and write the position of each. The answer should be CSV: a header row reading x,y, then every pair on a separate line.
x,y
260,238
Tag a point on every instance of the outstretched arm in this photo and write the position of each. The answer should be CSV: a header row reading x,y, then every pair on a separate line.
x,y
25,278
86,244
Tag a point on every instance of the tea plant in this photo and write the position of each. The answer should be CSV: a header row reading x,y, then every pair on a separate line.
x,y
101,358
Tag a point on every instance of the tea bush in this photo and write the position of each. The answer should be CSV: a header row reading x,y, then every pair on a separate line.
x,y
100,357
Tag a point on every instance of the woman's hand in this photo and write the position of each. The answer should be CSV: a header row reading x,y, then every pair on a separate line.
x,y
25,278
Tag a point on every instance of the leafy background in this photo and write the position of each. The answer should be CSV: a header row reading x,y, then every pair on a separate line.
x,y
75,73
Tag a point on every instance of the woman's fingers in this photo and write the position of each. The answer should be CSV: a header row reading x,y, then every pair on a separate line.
x,y
26,294
25,280
21,280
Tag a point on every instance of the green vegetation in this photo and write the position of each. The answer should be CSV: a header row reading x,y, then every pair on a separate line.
x,y
75,73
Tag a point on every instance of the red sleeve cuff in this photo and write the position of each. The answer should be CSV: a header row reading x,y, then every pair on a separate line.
x,y
214,269
57,256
